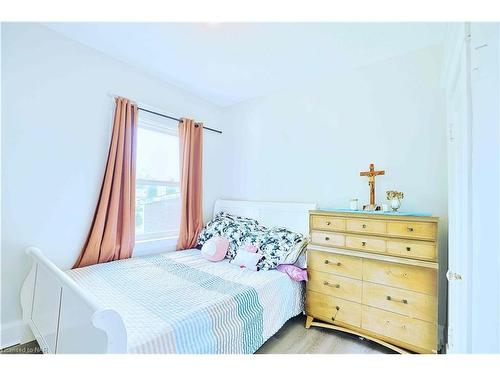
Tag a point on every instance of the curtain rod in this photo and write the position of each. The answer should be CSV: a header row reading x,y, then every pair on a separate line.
x,y
175,119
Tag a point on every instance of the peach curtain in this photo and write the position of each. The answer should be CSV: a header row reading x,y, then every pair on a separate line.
x,y
112,234
191,158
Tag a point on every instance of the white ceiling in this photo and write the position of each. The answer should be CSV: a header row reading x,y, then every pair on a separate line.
x,y
230,62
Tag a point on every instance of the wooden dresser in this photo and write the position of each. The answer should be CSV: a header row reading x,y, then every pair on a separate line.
x,y
375,275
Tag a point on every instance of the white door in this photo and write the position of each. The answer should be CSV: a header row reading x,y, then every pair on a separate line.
x,y
459,196
485,271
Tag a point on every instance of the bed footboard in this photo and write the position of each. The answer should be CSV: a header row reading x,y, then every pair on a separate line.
x,y
63,317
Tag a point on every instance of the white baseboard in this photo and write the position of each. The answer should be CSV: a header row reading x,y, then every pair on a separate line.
x,y
13,333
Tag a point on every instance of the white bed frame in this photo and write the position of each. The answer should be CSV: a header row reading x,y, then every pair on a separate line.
x,y
65,319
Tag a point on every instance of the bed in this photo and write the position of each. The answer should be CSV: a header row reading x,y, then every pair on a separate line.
x,y
173,302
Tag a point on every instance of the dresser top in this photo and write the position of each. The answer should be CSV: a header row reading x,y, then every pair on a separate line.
x,y
377,214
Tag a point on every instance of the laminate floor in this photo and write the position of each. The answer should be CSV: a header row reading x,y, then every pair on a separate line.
x,y
292,338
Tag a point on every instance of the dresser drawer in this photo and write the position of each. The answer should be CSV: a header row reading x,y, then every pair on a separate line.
x,y
412,331
365,243
327,223
405,302
417,279
366,226
332,309
333,285
412,249
342,265
412,229
327,238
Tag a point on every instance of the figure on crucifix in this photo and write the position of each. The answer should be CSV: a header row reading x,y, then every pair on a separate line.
x,y
371,183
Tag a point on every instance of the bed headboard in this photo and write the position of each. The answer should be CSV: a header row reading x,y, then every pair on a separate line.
x,y
294,216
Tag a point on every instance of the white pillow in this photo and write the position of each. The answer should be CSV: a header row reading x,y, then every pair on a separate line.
x,y
247,260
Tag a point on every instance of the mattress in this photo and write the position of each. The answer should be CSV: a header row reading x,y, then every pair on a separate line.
x,y
178,302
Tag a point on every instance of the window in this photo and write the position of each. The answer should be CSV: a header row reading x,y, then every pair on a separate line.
x,y
157,213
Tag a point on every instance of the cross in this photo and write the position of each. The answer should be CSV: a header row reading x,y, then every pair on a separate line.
x,y
371,182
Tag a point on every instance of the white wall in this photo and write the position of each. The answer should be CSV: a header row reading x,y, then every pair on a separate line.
x,y
311,142
56,113
0,166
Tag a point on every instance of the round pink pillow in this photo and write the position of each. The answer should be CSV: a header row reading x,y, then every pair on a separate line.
x,y
215,249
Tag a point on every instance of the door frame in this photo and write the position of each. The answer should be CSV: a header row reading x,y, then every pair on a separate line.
x,y
457,61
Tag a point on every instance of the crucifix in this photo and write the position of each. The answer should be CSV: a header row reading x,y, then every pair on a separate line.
x,y
371,182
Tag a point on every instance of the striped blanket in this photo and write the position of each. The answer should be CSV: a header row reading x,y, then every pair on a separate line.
x,y
181,303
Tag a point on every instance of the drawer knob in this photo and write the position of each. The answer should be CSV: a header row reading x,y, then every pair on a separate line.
x,y
328,223
405,301
337,264
363,243
408,248
336,308
326,283
327,238
410,229
363,226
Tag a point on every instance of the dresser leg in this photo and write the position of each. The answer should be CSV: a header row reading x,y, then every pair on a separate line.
x,y
309,321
